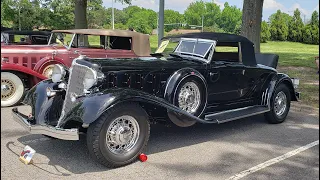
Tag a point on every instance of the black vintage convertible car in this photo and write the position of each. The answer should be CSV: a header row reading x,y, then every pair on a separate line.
x,y
208,78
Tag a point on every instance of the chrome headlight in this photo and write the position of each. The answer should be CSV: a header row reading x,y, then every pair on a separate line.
x,y
90,79
58,73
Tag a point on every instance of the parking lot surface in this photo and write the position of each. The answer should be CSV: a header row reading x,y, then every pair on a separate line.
x,y
245,149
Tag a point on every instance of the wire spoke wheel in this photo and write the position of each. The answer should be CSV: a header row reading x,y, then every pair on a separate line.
x,y
122,134
189,98
280,103
8,89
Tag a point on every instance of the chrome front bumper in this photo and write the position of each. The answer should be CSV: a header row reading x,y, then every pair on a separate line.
x,y
65,134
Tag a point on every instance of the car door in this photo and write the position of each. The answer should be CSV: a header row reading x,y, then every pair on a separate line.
x,y
223,82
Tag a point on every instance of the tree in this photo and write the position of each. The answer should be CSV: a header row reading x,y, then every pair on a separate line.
x,y
171,17
311,31
193,14
230,19
315,19
140,23
251,21
278,27
295,27
80,12
265,32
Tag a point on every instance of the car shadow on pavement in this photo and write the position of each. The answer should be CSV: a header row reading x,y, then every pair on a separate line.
x,y
73,156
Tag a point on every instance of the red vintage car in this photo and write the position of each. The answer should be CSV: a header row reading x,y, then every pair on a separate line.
x,y
22,66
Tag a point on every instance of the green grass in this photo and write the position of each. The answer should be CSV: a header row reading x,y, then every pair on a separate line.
x,y
292,54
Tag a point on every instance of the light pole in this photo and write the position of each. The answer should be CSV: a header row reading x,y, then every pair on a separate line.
x,y
112,15
19,17
161,21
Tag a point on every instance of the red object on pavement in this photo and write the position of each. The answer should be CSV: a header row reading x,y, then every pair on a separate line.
x,y
143,157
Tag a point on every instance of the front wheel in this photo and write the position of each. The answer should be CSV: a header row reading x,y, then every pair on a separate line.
x,y
12,89
119,135
280,105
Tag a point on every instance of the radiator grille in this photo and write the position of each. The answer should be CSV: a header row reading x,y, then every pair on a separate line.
x,y
75,85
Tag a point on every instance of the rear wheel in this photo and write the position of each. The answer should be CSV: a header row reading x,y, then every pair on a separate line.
x,y
280,105
119,135
12,89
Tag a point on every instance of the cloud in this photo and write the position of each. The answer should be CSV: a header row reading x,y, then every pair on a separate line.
x,y
221,4
302,10
273,5
316,8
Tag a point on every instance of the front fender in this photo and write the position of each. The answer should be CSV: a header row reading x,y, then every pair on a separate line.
x,y
22,69
284,78
47,61
37,98
91,107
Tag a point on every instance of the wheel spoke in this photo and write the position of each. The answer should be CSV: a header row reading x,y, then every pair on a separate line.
x,y
122,134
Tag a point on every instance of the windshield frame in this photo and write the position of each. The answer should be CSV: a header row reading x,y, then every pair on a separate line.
x,y
67,47
196,40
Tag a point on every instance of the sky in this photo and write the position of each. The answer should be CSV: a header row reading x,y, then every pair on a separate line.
x,y
306,7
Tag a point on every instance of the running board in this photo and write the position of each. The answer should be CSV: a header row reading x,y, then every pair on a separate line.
x,y
234,114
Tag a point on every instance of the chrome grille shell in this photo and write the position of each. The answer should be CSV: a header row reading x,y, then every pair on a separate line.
x,y
75,85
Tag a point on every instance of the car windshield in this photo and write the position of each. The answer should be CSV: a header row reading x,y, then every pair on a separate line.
x,y
186,47
61,39
197,47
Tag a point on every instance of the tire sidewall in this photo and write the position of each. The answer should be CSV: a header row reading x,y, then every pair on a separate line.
x,y
18,94
201,90
285,90
143,123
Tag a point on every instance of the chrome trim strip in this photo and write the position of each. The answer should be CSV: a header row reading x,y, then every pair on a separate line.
x,y
240,117
65,134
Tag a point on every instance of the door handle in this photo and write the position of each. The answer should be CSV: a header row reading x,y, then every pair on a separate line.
x,y
213,73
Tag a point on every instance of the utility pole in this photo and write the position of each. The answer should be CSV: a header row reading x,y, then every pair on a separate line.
x,y
19,17
161,21
202,22
112,15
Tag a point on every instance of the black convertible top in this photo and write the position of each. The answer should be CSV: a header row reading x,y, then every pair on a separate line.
x,y
247,47
224,37
44,33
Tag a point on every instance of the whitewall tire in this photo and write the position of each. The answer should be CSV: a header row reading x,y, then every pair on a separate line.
x,y
12,89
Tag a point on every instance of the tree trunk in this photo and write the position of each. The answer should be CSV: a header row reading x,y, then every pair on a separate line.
x,y
251,21
80,14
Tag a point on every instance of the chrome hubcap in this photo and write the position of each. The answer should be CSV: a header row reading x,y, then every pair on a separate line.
x,y
47,72
280,103
7,89
189,97
122,134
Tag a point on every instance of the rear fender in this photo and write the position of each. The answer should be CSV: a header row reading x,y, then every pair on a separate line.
x,y
177,77
285,79
91,107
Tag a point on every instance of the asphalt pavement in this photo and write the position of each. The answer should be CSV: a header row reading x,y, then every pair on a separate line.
x,y
248,148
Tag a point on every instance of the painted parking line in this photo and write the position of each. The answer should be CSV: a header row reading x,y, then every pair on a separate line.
x,y
273,161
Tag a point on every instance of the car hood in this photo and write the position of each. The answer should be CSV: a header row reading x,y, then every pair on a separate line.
x,y
145,64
